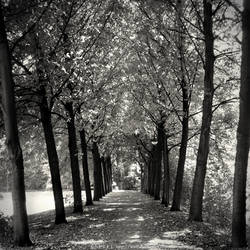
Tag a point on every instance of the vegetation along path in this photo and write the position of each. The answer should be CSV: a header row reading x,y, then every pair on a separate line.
x,y
125,220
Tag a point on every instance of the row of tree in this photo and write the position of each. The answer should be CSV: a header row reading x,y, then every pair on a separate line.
x,y
30,71
156,77
173,52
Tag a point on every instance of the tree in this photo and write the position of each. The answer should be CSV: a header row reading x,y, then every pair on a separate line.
x,y
195,212
85,168
97,172
46,120
243,139
185,108
166,178
158,161
73,151
21,227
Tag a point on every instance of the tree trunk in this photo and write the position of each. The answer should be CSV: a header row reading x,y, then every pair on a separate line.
x,y
185,108
243,136
20,220
145,179
166,180
74,159
85,168
181,162
109,167
102,176
105,176
153,171
52,157
195,212
150,173
158,166
97,172
48,134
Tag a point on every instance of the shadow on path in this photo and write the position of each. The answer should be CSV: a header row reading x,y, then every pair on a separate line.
x,y
125,220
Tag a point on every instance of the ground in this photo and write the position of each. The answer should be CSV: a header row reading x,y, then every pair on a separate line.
x,y
124,220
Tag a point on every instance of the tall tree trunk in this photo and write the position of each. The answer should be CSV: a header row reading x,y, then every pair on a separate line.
x,y
181,163
109,167
74,159
150,173
48,133
102,176
185,107
166,179
105,176
21,227
158,166
97,172
85,168
243,139
145,179
153,171
52,157
195,212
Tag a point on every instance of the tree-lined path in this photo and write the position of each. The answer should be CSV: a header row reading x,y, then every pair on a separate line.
x,y
125,220
131,95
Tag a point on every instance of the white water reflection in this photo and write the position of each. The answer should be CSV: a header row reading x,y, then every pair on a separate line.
x,y
36,201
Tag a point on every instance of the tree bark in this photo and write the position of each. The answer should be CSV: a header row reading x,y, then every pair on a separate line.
x,y
52,157
243,139
195,212
102,176
185,108
97,172
85,168
145,179
20,219
181,163
48,134
109,168
158,161
105,176
153,171
166,179
73,151
150,172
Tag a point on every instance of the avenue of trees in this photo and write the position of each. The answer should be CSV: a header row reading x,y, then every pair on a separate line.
x,y
152,84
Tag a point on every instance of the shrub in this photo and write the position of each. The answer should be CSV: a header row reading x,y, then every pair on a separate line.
x,y
6,225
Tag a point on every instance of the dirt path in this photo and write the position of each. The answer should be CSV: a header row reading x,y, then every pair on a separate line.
x,y
124,220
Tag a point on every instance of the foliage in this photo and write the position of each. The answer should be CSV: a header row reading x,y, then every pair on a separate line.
x,y
6,228
117,62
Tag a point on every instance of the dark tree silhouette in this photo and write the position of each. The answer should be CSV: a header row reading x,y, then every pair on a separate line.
x,y
195,212
21,227
85,168
243,139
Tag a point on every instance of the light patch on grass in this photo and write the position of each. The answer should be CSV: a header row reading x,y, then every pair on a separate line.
x,y
140,218
115,204
88,242
97,225
171,244
135,236
121,219
174,234
108,209
133,209
72,218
